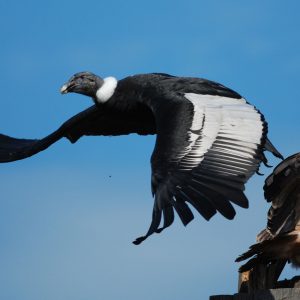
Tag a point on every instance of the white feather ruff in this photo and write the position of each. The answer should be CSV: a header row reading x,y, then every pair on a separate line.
x,y
106,91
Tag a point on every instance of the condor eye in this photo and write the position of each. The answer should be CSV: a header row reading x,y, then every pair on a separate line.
x,y
79,79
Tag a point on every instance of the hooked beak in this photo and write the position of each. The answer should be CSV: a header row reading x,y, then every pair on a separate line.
x,y
67,87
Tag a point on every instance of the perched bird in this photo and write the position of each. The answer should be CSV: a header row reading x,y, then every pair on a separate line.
x,y
281,239
210,140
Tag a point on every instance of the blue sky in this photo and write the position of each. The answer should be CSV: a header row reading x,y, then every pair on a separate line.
x,y
66,226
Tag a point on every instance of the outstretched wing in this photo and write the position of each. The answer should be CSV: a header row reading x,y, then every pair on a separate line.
x,y
280,239
207,147
92,121
282,189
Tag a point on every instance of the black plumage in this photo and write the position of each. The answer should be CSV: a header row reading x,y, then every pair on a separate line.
x,y
280,240
210,141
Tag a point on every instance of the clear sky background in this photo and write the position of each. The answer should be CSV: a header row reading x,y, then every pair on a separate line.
x,y
66,226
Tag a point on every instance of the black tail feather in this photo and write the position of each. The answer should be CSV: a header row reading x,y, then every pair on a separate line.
x,y
254,249
250,264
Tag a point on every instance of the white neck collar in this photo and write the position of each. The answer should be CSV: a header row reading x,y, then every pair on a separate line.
x,y
105,92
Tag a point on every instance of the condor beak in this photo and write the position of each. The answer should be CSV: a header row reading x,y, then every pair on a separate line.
x,y
67,87
64,89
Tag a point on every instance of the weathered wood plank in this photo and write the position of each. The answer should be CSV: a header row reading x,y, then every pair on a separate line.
x,y
273,294
221,297
289,283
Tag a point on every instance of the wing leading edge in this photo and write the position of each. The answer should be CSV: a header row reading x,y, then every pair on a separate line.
x,y
92,121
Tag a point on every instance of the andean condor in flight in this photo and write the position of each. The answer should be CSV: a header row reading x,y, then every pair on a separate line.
x,y
210,140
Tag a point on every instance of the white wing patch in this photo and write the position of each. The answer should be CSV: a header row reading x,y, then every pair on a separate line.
x,y
226,127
